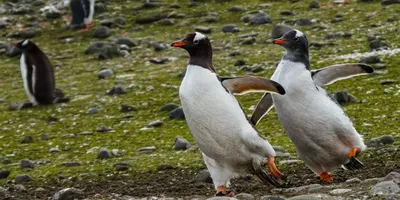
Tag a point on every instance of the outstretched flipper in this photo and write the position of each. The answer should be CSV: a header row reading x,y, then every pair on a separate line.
x,y
262,108
331,74
245,84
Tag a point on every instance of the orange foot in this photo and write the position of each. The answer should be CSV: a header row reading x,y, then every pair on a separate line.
x,y
273,169
86,29
325,176
221,191
354,152
67,19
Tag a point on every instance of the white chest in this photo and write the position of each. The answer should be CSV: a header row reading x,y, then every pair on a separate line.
x,y
28,81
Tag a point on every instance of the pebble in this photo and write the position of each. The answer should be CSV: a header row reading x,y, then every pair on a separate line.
x,y
314,4
286,12
156,123
104,153
230,28
127,108
181,144
116,90
126,41
104,73
27,139
72,164
23,178
121,167
221,198
385,188
45,137
343,97
26,164
383,140
19,187
248,41
339,191
169,107
244,196
353,180
4,173
236,9
203,29
101,32
313,197
370,60
304,22
304,188
387,82
158,60
393,176
92,111
268,197
260,18
177,114
4,194
68,194
54,150
203,177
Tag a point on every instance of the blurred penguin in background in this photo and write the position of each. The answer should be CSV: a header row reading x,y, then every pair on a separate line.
x,y
82,14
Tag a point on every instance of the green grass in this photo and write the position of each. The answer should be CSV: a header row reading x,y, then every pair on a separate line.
x,y
77,77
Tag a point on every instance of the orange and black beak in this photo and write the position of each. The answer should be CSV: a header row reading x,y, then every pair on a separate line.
x,y
280,41
178,44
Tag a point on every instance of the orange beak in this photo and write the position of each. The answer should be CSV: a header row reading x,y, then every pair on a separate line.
x,y
279,41
178,44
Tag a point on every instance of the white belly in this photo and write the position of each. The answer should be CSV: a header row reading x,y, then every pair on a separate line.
x,y
24,73
214,117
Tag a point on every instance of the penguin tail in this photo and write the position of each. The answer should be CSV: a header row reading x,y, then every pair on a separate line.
x,y
354,164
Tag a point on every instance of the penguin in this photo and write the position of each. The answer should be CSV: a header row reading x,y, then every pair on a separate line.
x,y
38,76
323,134
82,14
230,145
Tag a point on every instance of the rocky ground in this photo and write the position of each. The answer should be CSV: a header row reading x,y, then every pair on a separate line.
x,y
123,135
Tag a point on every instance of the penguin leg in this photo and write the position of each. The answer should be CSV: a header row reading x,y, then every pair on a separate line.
x,y
219,174
325,176
273,169
221,191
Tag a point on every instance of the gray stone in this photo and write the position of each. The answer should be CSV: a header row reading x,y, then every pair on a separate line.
x,y
203,177
385,188
177,114
156,123
27,139
286,12
169,107
260,18
230,28
3,24
122,167
127,41
54,150
104,153
159,46
4,194
353,180
314,4
236,9
116,90
203,29
387,82
370,60
45,137
339,191
393,176
127,108
343,97
101,32
304,188
104,73
167,22
26,164
72,164
377,44
279,30
23,178
383,140
25,34
313,197
38,3
92,111
240,63
19,187
222,198
248,41
268,197
244,196
68,194
304,22
181,144
147,149
4,173
158,60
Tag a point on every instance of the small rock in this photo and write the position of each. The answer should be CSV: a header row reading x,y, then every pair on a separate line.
x,y
116,90
353,180
92,111
343,97
304,188
38,3
383,140
156,123
244,196
240,63
159,46
27,139
377,45
313,197
127,41
268,197
393,176
158,60
167,22
163,167
147,149
101,32
121,167
389,2
23,178
286,12
72,164
279,30
221,198
181,144
203,177
68,194
314,4
19,187
169,107
45,137
230,28
4,174
248,41
304,22
104,153
177,114
26,164
236,9
387,82
339,191
385,188
54,150
4,194
104,129
127,108
370,60
203,29
260,18
104,73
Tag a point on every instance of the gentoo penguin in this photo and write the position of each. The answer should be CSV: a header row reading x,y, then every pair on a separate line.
x,y
38,75
324,136
229,143
82,13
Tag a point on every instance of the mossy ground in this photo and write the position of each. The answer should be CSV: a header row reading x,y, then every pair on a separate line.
x,y
379,114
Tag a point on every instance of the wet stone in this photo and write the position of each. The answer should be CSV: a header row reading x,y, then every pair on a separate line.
x,y
23,178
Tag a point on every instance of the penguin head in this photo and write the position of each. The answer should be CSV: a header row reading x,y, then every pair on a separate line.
x,y
293,41
195,43
24,45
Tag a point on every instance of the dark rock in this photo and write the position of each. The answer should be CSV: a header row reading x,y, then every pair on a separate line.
x,y
169,107
163,167
23,178
26,164
149,19
121,167
127,41
4,160
25,34
116,90
177,114
181,144
393,176
147,149
314,4
248,41
387,82
389,2
92,111
370,60
53,15
257,69
286,12
72,164
101,32
343,97
383,140
230,28
260,18
167,22
377,45
271,198
104,153
211,19
203,177
156,123
158,60
45,137
27,139
105,50
99,7
159,46
127,108
104,129
240,63
264,5
3,24
385,188
38,3
203,29
304,22
68,194
104,73
236,9
279,30
4,173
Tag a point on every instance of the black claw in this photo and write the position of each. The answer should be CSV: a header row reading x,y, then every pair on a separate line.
x,y
354,164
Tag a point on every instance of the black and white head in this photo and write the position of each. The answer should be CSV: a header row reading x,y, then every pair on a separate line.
x,y
199,48
24,45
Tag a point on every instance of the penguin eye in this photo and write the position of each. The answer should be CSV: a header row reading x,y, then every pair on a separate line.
x,y
195,41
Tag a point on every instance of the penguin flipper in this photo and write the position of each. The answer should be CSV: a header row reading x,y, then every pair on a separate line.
x,y
245,84
263,106
333,73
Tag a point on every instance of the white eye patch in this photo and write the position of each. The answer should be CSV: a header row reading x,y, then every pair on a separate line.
x,y
298,34
25,42
198,37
